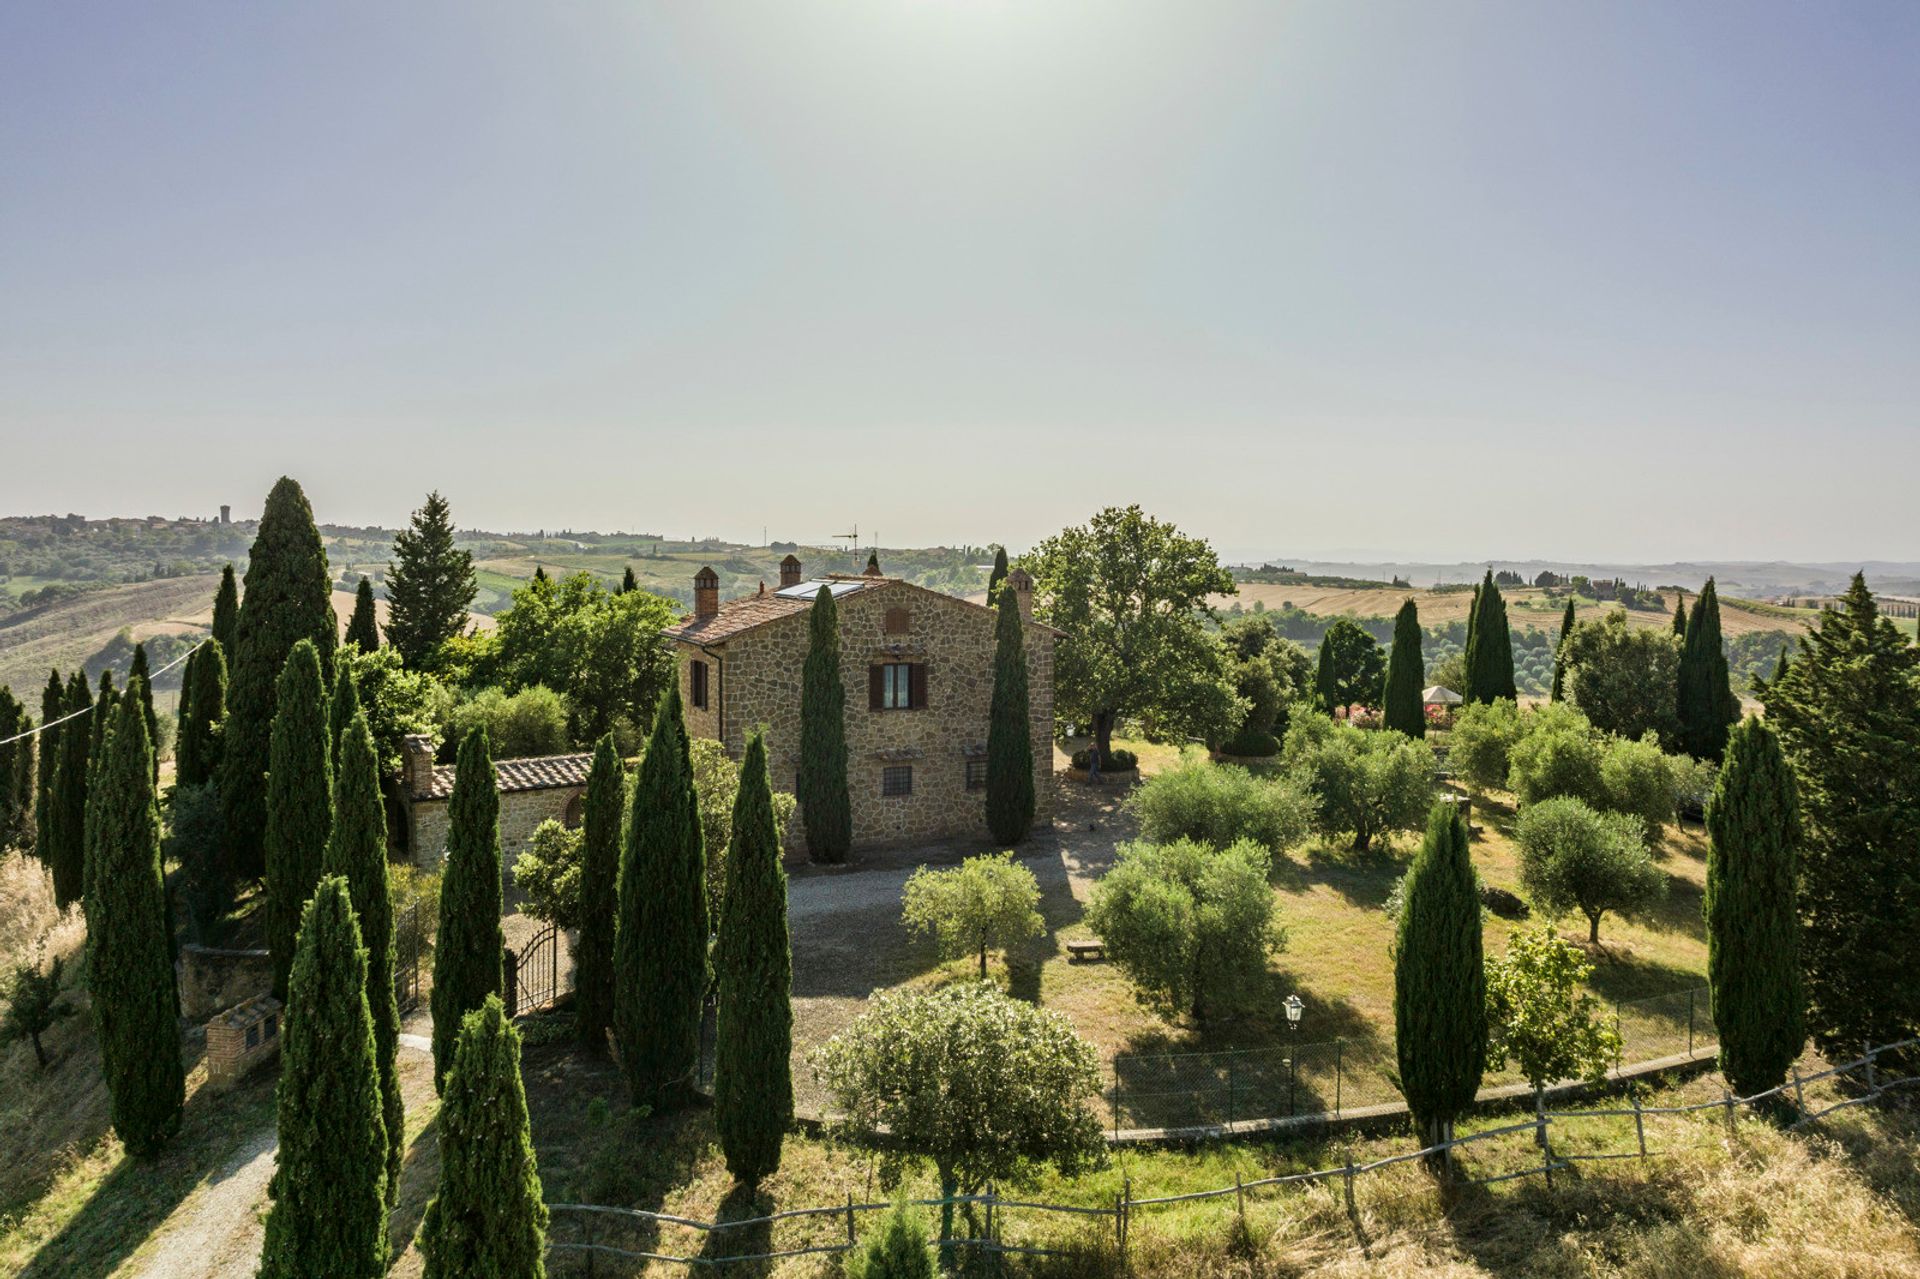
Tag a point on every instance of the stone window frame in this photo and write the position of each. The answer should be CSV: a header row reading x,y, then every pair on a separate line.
x,y
897,685
896,781
699,684
976,772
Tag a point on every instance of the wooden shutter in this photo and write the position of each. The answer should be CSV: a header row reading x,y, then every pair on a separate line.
x,y
874,675
917,686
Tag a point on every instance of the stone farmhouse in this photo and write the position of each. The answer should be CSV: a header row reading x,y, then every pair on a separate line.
x,y
918,668
531,791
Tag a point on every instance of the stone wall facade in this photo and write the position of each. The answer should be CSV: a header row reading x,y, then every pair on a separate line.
x,y
241,1038
214,980
520,812
754,681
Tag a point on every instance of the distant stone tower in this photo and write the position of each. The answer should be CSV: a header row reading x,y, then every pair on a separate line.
x,y
226,514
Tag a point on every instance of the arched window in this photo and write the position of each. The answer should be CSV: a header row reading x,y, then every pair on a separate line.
x,y
576,811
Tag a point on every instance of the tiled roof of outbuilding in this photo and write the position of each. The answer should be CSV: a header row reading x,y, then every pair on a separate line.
x,y
749,611
538,772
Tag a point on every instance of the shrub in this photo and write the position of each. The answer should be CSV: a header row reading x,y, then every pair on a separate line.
x,y
1573,858
1220,804
548,873
1366,783
1190,925
1118,760
716,781
897,1248
1553,759
1538,1016
985,903
1638,779
1479,744
34,1002
532,721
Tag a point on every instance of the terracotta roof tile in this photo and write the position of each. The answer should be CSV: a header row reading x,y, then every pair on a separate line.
x,y
540,772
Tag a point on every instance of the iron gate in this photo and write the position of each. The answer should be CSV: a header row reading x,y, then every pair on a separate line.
x,y
533,973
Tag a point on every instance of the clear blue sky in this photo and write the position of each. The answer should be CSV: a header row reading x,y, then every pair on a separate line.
x,y
1635,280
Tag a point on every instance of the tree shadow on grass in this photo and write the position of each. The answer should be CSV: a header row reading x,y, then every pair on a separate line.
x,y
1059,909
742,1203
1364,877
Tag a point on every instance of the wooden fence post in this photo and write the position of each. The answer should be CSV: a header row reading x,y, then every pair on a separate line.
x,y
1873,1082
1728,1094
1126,1223
590,1253
1639,1122
1799,1093
850,1238
1240,1197
1540,1134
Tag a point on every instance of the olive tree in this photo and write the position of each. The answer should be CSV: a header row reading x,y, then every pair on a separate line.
x,y
985,1086
985,903
1573,858
1190,925
1364,783
1480,743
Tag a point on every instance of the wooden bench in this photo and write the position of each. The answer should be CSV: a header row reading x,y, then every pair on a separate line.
x,y
1079,950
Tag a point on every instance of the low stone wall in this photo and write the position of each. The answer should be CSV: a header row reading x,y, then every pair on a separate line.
x,y
520,813
212,980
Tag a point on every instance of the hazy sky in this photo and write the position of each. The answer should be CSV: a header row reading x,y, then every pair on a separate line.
x,y
1634,280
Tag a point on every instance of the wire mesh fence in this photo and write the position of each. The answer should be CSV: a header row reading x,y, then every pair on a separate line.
x,y
1341,1076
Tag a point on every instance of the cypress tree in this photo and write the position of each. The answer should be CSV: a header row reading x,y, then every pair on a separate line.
x,y
344,706
430,584
660,942
363,632
1009,730
138,671
1680,615
53,705
23,786
539,575
825,807
226,612
183,706
599,894
1559,647
1489,646
203,710
288,599
65,826
753,1045
1403,709
998,575
129,956
1439,980
629,582
13,723
299,805
1752,909
100,723
357,852
1707,706
329,1187
1847,710
468,962
489,1216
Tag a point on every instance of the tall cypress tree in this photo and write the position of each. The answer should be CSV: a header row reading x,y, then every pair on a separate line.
x,y
1009,730
363,632
430,584
65,825
753,1045
329,1187
1847,710
203,712
22,784
344,706
13,724
138,671
100,723
299,804
998,575
1680,614
289,598
1489,647
1707,706
53,706
660,942
357,852
1752,909
226,612
1439,980
129,955
489,1216
599,894
825,807
629,582
1403,709
468,961
1559,647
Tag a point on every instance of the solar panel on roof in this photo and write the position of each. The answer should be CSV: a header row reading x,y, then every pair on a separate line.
x,y
807,590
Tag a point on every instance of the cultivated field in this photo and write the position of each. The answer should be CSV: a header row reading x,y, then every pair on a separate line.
x,y
1526,606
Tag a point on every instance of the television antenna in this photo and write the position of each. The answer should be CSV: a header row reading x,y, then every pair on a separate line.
x,y
852,540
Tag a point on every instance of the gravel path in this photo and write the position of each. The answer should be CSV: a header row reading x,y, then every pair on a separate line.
x,y
216,1233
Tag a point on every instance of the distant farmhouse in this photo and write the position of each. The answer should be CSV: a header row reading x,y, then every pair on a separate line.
x,y
918,667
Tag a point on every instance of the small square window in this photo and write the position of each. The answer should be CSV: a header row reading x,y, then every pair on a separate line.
x,y
253,1035
977,774
273,1027
896,779
898,621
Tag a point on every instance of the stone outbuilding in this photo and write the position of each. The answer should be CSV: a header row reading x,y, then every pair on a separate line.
x,y
918,669
531,791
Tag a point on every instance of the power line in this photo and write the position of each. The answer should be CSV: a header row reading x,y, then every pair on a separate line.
x,y
35,732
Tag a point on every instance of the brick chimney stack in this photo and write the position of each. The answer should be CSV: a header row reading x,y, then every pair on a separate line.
x,y
1022,583
416,763
789,572
706,593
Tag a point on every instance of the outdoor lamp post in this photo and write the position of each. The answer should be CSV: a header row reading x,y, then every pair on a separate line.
x,y
1294,1008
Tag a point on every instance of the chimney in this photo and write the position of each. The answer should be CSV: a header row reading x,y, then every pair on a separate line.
x,y
416,763
706,593
873,564
1022,583
789,572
